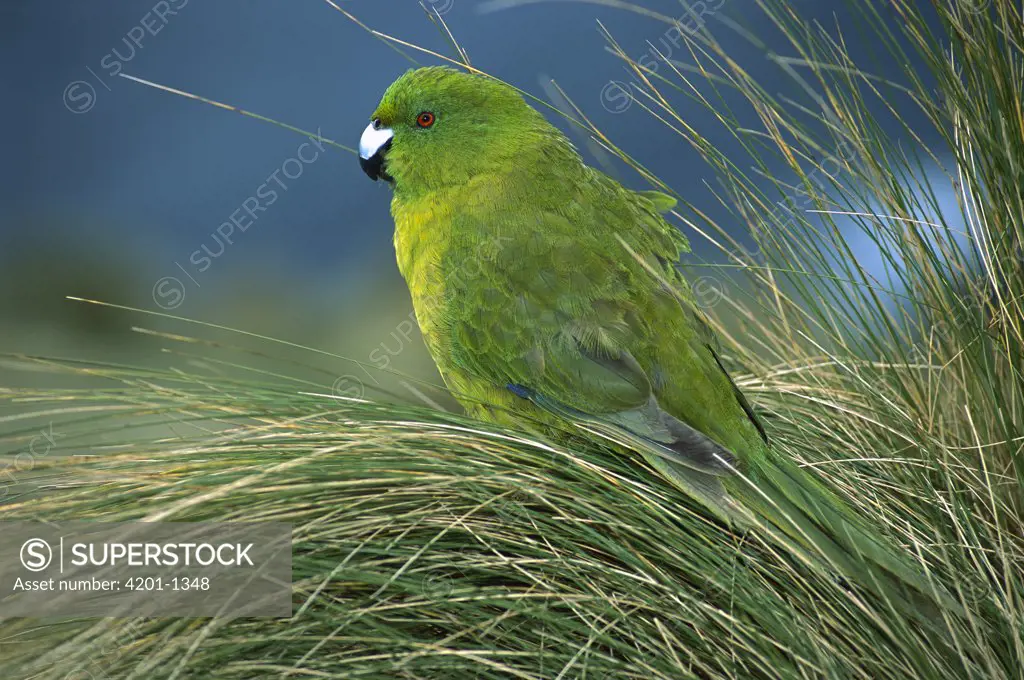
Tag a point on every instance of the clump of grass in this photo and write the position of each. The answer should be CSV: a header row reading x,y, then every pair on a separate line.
x,y
428,545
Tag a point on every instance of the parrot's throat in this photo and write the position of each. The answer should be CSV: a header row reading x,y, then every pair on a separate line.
x,y
442,242
422,240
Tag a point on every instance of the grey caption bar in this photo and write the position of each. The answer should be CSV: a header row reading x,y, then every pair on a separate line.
x,y
83,569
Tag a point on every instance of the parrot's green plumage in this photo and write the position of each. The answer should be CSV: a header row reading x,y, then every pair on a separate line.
x,y
548,292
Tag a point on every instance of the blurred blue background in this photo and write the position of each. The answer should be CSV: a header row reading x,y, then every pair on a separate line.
x,y
111,188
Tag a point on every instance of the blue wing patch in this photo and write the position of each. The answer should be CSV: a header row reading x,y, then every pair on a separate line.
x,y
520,391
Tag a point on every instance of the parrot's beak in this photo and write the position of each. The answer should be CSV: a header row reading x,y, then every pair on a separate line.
x,y
373,145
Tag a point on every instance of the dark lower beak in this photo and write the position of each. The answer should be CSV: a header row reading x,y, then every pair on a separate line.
x,y
374,165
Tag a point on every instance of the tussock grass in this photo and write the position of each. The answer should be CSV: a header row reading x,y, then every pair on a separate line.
x,y
428,545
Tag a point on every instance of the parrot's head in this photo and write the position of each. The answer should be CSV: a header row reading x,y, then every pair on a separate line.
x,y
437,127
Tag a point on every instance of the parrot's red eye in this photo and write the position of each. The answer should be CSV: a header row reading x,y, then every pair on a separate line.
x,y
425,119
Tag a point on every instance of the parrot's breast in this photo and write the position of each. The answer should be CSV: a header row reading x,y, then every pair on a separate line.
x,y
459,263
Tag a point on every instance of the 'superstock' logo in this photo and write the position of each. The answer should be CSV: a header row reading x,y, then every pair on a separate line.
x,y
36,554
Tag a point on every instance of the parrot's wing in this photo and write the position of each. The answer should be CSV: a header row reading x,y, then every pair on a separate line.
x,y
740,397
711,341
617,378
688,457
683,454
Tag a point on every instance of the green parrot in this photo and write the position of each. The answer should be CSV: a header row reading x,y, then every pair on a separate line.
x,y
547,292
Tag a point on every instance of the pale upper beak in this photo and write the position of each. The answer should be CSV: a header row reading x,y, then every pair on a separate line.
x,y
373,145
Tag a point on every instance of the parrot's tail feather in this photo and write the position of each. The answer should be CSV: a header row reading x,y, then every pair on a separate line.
x,y
701,486
808,513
